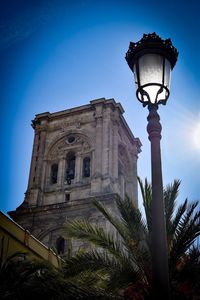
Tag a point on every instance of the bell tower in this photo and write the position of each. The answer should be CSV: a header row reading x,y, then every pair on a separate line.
x,y
78,154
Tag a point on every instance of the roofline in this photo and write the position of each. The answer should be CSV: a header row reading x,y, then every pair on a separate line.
x,y
104,101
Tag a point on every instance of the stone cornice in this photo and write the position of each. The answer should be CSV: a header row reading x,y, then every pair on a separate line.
x,y
74,204
46,117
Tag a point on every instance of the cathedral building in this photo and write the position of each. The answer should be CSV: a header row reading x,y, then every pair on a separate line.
x,y
79,154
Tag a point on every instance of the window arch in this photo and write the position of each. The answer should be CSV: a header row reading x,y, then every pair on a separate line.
x,y
54,173
86,167
70,170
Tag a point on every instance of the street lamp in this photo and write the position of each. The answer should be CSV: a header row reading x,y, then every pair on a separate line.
x,y
151,60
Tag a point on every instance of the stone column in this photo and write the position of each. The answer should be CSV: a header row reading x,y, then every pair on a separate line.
x,y
105,142
61,166
115,157
34,159
106,174
98,147
62,170
115,150
135,174
92,166
44,174
34,192
97,159
40,153
78,167
110,160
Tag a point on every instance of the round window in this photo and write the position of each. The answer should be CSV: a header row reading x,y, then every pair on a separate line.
x,y
71,139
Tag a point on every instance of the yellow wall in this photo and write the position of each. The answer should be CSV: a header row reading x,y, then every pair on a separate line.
x,y
14,238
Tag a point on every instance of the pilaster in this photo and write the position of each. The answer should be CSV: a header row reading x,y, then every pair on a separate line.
x,y
106,149
96,182
115,156
78,167
61,170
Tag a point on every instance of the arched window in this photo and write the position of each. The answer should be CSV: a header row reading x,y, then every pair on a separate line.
x,y
54,173
60,245
70,171
86,167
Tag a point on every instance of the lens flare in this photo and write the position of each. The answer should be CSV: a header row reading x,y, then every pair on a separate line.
x,y
196,136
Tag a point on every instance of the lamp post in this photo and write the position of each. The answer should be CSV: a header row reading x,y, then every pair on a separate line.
x,y
151,60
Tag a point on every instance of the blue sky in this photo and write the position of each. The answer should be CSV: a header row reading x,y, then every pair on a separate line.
x,y
59,54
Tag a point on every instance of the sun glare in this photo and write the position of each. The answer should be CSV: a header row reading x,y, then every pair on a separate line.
x,y
196,136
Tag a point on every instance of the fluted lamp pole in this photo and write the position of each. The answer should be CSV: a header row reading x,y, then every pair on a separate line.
x,y
151,60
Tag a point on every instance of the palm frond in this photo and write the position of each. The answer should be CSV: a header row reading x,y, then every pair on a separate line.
x,y
113,219
123,278
129,250
82,229
146,191
187,230
129,225
132,230
93,260
118,275
131,217
170,195
122,257
194,254
180,212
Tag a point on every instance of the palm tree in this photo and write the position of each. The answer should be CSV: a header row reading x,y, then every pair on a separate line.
x,y
23,278
117,261
122,259
183,229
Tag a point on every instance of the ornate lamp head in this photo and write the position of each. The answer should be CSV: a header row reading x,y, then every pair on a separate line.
x,y
151,60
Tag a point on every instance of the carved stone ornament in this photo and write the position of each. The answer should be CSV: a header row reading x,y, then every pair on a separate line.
x,y
72,141
65,125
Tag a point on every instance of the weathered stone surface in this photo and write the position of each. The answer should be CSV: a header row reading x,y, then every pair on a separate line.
x,y
98,132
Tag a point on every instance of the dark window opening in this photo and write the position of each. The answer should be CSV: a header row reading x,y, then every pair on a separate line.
x,y
54,173
67,197
71,139
60,245
70,171
86,167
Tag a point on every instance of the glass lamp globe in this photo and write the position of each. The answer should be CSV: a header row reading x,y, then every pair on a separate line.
x,y
151,60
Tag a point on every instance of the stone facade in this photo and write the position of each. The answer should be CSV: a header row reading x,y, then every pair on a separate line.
x,y
78,154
